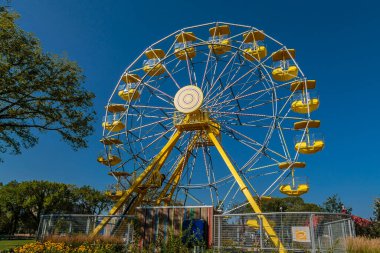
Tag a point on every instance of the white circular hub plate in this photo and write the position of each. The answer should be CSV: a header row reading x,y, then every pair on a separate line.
x,y
188,99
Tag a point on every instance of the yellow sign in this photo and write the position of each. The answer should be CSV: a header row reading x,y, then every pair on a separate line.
x,y
301,234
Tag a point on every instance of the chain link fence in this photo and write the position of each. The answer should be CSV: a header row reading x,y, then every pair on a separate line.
x,y
77,224
298,232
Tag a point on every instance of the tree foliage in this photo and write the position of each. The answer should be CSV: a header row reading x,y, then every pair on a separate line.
x,y
22,204
39,92
289,204
334,204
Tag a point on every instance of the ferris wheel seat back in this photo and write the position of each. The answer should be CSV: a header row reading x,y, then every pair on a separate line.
x,y
183,49
253,47
153,66
219,41
297,191
291,165
115,108
110,141
306,124
303,85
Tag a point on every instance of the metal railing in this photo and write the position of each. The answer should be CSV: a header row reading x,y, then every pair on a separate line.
x,y
78,224
298,232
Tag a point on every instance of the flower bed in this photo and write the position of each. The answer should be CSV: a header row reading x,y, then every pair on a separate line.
x,y
75,244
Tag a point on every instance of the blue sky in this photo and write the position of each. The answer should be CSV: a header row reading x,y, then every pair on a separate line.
x,y
336,44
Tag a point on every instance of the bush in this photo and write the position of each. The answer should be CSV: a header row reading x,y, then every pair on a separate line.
x,y
74,244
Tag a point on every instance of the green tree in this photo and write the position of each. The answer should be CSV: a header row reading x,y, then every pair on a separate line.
x,y
43,197
376,209
334,204
288,204
11,210
90,201
22,204
39,92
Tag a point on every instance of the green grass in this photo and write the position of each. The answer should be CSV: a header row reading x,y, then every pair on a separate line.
x,y
8,244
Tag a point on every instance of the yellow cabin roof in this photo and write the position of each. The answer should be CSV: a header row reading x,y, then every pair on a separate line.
x,y
300,85
220,30
115,108
131,78
185,36
110,141
119,173
155,53
284,54
285,165
251,36
304,123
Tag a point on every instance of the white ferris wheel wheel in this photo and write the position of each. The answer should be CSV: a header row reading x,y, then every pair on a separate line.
x,y
206,111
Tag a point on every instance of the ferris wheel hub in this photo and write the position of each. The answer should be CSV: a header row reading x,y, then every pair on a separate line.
x,y
188,99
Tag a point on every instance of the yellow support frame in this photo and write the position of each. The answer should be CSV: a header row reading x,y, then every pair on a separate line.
x,y
243,187
176,176
158,160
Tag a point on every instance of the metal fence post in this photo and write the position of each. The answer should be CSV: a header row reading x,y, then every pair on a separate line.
x,y
312,234
219,232
88,226
261,233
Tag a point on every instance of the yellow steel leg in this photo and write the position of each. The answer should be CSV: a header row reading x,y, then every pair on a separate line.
x,y
174,178
268,228
164,152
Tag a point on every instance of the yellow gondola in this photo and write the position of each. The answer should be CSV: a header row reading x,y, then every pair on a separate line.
x,y
183,48
153,66
252,47
307,147
115,195
113,123
283,71
220,43
304,103
129,91
109,160
294,191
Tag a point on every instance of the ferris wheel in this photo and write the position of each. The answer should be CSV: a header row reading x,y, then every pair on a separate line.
x,y
212,114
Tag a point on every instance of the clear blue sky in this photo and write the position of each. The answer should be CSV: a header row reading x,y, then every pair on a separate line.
x,y
337,44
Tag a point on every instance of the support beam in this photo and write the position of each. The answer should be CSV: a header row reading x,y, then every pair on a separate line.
x,y
176,175
268,228
158,159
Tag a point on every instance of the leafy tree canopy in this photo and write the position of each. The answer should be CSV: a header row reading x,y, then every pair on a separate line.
x,y
39,92
334,204
22,204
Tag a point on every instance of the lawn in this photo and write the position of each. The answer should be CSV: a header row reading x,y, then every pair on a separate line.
x,y
8,244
